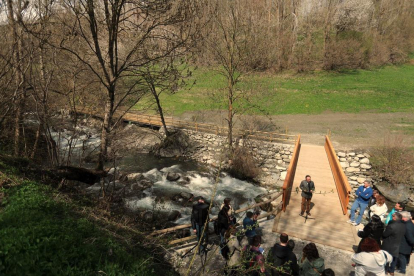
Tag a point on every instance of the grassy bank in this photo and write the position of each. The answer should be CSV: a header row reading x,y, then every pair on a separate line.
x,y
387,89
41,234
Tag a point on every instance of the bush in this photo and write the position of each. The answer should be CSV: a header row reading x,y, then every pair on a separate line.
x,y
393,161
243,164
42,236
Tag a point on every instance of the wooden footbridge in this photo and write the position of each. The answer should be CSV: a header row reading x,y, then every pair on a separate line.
x,y
327,223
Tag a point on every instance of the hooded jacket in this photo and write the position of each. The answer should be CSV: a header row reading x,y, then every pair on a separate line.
x,y
373,262
283,256
314,268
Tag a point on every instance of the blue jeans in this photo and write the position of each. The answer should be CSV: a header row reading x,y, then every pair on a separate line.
x,y
362,206
402,261
200,229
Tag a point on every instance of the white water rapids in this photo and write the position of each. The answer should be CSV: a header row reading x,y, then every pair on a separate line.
x,y
241,192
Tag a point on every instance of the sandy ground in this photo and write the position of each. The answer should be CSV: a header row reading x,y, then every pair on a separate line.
x,y
349,130
336,259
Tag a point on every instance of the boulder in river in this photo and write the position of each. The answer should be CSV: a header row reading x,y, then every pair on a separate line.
x,y
173,176
174,215
394,193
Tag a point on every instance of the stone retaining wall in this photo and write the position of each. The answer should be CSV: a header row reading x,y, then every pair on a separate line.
x,y
273,158
357,168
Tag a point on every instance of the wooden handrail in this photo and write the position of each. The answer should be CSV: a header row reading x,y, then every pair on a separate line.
x,y
134,116
341,181
175,228
290,175
193,237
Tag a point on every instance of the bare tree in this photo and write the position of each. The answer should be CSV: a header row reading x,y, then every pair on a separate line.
x,y
114,39
229,46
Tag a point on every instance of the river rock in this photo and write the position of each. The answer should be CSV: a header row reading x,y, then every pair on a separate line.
x,y
174,215
353,183
361,156
280,168
364,161
186,195
341,154
395,194
133,176
344,164
342,159
354,164
352,154
173,176
367,155
147,215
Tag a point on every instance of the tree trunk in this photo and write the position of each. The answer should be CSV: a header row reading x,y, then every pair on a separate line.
x,y
230,116
106,127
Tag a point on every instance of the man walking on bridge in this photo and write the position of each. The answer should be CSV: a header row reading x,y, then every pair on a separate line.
x,y
308,187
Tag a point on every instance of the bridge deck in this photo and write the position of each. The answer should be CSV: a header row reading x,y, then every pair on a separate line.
x,y
327,225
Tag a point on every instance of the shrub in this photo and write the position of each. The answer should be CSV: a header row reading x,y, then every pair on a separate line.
x,y
393,161
243,164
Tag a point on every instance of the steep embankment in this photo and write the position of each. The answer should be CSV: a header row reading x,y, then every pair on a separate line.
x,y
44,232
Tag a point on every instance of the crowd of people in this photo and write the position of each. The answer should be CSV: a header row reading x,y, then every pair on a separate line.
x,y
387,241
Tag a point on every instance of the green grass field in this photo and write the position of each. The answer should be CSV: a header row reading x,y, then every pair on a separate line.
x,y
387,89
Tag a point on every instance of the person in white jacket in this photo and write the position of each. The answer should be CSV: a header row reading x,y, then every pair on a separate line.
x,y
371,260
379,208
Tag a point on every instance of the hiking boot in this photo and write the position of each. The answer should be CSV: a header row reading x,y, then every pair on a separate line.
x,y
301,213
350,221
354,223
309,214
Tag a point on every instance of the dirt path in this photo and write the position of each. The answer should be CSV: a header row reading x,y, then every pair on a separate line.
x,y
349,130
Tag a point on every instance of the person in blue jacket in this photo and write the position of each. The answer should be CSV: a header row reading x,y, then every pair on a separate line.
x,y
363,194
250,224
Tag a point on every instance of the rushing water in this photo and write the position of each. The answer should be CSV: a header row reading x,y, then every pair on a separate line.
x,y
200,180
241,192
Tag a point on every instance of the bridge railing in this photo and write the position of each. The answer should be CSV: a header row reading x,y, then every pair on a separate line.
x,y
341,181
155,120
184,226
288,184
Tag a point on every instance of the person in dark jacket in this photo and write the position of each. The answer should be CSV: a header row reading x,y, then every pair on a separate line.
x,y
363,194
392,236
224,222
281,256
407,242
308,188
374,230
199,216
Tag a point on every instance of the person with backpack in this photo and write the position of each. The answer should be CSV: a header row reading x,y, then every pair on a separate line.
x,y
253,259
282,257
311,264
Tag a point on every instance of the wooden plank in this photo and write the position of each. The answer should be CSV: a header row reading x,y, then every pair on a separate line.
x,y
327,225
